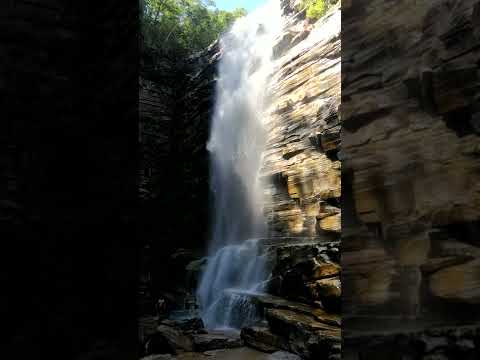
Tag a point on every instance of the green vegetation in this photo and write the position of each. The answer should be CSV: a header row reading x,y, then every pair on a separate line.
x,y
184,25
316,8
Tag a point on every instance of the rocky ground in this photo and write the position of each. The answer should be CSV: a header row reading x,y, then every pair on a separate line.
x,y
224,354
300,312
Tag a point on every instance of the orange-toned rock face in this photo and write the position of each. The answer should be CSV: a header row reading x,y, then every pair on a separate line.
x,y
301,168
410,141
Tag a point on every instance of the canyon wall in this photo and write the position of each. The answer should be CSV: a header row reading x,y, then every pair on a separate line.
x,y
176,101
301,171
301,166
410,164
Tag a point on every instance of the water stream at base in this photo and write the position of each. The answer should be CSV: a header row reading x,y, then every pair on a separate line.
x,y
237,140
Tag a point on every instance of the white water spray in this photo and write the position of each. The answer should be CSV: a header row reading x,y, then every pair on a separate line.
x,y
237,139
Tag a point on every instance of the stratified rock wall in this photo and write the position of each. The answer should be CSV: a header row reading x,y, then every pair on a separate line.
x,y
410,157
301,172
176,102
157,85
301,167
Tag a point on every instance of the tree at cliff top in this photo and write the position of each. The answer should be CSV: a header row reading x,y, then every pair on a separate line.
x,y
315,9
185,26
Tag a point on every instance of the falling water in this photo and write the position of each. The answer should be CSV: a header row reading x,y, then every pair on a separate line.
x,y
236,142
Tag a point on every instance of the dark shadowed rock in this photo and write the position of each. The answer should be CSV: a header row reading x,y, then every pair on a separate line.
x,y
186,325
261,338
176,339
217,340
275,302
329,291
306,336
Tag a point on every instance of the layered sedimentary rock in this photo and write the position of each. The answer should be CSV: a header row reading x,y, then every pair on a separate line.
x,y
410,160
157,108
302,180
176,101
300,162
308,272
301,173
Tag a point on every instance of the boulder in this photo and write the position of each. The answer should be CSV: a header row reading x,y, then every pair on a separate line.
x,y
324,269
174,337
261,338
217,340
193,270
306,336
328,292
186,325
275,302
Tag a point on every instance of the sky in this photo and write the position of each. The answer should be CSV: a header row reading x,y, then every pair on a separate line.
x,y
232,4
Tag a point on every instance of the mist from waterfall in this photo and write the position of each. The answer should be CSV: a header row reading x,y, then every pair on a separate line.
x,y
237,140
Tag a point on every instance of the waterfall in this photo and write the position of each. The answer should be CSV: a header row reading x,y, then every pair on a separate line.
x,y
237,140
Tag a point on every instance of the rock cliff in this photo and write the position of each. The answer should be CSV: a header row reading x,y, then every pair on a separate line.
x,y
300,161
301,172
410,164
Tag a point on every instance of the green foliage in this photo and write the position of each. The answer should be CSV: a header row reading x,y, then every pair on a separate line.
x,y
315,8
184,25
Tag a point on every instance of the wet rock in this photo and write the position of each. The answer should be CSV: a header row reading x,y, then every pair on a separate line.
x,y
174,337
186,325
306,336
274,285
328,291
275,302
217,340
290,256
261,338
298,266
289,39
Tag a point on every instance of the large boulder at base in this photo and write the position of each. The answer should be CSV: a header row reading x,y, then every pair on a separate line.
x,y
174,337
261,338
217,340
305,335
